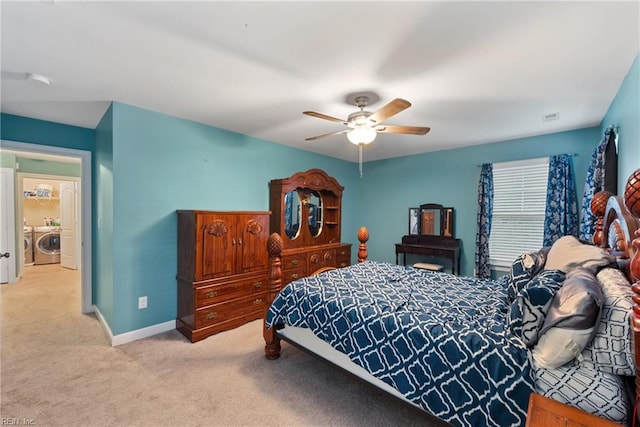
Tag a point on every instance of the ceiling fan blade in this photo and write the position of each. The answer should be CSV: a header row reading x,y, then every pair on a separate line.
x,y
324,116
392,108
326,135
412,130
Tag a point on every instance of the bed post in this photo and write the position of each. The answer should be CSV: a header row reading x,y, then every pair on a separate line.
x,y
274,248
632,201
598,208
363,236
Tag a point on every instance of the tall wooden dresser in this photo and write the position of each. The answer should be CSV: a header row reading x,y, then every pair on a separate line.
x,y
222,270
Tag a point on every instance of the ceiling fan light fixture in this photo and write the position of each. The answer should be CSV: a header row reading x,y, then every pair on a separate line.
x,y
361,135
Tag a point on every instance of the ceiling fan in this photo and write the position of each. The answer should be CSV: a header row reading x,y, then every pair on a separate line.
x,y
363,126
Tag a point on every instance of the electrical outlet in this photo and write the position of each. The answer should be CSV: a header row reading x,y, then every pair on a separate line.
x,y
142,302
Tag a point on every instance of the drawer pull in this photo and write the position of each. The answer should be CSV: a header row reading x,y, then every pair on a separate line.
x,y
294,276
257,301
211,315
295,262
257,285
212,294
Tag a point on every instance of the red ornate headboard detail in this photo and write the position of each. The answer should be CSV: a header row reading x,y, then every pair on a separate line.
x,y
618,229
632,201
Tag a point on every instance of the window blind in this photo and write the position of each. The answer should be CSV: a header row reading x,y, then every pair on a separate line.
x,y
519,198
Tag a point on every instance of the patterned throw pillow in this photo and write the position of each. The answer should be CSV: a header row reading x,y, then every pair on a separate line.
x,y
531,304
524,268
611,349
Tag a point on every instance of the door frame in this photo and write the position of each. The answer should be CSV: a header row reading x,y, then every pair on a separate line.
x,y
7,222
85,209
20,210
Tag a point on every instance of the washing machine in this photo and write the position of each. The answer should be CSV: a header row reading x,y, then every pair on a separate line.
x,y
28,244
46,245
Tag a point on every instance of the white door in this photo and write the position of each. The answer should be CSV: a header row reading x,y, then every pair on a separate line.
x,y
7,228
68,225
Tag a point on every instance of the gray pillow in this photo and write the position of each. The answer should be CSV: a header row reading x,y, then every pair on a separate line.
x,y
572,320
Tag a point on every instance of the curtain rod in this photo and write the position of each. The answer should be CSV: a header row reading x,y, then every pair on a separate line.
x,y
568,154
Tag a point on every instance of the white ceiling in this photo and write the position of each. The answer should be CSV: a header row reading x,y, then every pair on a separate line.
x,y
475,72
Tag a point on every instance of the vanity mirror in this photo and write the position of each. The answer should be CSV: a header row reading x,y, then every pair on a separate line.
x,y
435,220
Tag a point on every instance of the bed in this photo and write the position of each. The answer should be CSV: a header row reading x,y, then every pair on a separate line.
x,y
471,351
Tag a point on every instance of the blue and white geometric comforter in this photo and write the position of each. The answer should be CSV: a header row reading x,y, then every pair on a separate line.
x,y
439,339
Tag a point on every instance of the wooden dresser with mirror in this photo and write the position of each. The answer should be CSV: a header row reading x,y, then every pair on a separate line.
x,y
431,234
306,212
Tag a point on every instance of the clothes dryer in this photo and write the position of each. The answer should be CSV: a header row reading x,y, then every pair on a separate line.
x,y
46,248
28,244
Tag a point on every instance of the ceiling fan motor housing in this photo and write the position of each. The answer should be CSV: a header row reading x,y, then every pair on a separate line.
x,y
359,118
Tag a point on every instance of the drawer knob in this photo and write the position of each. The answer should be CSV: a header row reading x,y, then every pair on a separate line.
x,y
211,315
212,294
257,285
257,301
295,262
294,276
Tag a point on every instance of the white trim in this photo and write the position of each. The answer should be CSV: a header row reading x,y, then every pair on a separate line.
x,y
14,247
85,189
131,336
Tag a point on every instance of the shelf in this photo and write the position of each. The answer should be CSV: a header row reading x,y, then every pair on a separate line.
x,y
40,198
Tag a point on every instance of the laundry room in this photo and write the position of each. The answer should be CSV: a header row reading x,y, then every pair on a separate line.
x,y
43,207
41,219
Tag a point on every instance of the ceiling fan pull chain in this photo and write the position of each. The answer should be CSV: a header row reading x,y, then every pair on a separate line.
x,y
360,158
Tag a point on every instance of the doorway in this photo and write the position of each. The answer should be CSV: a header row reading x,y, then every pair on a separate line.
x,y
83,243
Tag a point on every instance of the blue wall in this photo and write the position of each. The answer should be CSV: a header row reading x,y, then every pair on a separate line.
x,y
450,178
23,129
624,112
162,163
102,222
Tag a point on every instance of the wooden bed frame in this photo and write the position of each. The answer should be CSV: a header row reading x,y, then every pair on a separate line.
x,y
617,230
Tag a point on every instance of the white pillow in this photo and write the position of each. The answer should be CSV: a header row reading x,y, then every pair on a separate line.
x,y
567,253
558,346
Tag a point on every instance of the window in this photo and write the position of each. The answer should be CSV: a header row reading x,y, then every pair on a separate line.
x,y
519,198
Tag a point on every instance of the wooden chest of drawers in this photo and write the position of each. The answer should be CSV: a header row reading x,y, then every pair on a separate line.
x,y
222,270
302,262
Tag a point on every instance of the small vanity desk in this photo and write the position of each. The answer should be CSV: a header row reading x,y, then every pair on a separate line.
x,y
434,236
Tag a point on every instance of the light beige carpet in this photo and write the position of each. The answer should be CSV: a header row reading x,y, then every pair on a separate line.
x,y
58,369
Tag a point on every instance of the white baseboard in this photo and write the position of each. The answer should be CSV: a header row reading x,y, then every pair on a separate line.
x,y
138,334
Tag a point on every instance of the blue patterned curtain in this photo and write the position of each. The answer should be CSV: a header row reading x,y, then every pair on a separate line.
x,y
485,209
596,180
561,212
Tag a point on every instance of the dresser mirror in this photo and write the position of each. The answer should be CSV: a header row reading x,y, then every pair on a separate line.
x,y
292,211
435,220
306,209
314,212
